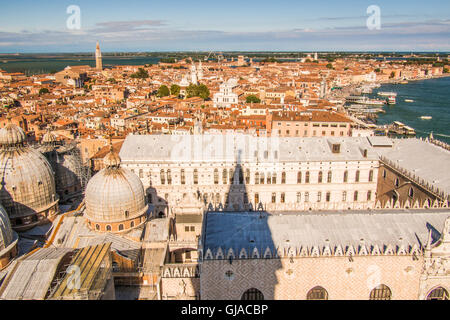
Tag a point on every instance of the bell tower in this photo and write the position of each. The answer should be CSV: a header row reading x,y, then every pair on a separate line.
x,y
98,58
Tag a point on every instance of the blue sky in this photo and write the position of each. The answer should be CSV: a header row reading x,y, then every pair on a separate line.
x,y
284,25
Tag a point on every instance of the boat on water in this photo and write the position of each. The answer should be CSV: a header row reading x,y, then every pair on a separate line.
x,y
365,100
426,117
387,94
391,100
400,128
403,82
409,100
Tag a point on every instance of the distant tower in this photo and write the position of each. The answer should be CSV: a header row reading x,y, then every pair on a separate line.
x,y
98,58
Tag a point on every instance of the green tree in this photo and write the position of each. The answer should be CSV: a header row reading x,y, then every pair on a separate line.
x,y
140,74
201,91
392,75
163,91
252,99
377,70
329,66
175,90
43,91
445,70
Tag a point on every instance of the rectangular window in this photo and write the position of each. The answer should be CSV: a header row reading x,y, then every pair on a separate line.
x,y
299,197
319,196
283,197
274,197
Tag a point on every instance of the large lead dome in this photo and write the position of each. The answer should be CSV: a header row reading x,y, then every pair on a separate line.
x,y
8,239
115,198
27,190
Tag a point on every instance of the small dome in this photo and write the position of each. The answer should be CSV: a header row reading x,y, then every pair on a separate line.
x,y
6,232
112,159
11,135
48,137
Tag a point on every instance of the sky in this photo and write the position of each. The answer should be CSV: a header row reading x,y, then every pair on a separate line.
x,y
233,25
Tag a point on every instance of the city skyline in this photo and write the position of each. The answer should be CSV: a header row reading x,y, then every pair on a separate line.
x,y
250,26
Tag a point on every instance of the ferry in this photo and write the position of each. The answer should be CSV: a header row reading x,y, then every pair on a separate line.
x,y
365,100
409,100
387,94
426,117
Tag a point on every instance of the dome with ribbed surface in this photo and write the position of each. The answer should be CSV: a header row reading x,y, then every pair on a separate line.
x,y
27,184
6,233
27,190
48,137
114,194
11,135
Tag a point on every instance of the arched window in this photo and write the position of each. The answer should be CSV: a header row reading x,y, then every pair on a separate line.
x,y
224,176
355,196
252,294
381,292
132,224
97,227
370,175
108,228
438,293
127,214
269,178
163,176
169,177
256,177
369,195
195,176
183,177
120,227
329,177
357,176
317,293
216,176
319,179
411,192
274,178
247,176
345,176
397,182
299,177
283,177
307,177
261,178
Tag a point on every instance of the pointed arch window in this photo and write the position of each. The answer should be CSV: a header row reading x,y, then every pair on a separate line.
x,y
438,293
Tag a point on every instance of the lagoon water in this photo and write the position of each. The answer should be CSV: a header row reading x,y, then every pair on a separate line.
x,y
431,98
46,64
